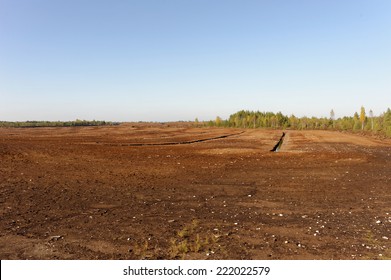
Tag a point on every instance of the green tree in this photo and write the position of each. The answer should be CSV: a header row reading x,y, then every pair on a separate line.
x,y
218,121
293,121
362,117
371,116
356,121
387,122
332,117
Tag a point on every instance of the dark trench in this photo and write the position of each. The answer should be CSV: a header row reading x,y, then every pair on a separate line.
x,y
279,144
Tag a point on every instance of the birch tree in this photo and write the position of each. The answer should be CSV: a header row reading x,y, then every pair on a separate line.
x,y
362,117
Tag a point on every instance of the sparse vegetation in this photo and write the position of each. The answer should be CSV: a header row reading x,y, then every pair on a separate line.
x,y
373,242
188,241
140,249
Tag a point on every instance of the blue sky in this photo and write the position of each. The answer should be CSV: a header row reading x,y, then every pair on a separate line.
x,y
170,60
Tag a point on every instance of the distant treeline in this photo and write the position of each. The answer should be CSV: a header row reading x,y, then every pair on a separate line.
x,y
56,123
358,122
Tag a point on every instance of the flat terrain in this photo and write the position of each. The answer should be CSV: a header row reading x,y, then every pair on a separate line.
x,y
140,191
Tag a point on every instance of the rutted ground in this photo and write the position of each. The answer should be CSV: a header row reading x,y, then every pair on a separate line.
x,y
79,193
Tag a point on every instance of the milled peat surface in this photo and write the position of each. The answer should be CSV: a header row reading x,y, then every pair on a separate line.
x,y
85,193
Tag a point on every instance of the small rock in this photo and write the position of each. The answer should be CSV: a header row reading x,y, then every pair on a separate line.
x,y
55,237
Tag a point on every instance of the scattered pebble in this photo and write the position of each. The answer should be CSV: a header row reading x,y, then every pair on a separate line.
x,y
56,237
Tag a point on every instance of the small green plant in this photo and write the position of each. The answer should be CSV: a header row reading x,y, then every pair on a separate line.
x,y
373,242
197,244
188,241
188,230
140,249
178,248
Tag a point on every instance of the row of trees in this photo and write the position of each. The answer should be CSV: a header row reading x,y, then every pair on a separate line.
x,y
358,122
56,123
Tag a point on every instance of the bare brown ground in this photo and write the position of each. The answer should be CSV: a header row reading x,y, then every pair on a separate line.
x,y
91,193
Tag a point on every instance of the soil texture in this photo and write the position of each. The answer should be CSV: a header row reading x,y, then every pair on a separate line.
x,y
172,191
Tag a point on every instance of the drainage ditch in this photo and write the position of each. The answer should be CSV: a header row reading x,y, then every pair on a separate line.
x,y
172,143
279,144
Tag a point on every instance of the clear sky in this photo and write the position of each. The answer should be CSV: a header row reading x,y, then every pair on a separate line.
x,y
164,60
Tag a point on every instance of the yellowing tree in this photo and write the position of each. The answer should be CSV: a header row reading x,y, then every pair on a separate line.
x,y
362,117
218,121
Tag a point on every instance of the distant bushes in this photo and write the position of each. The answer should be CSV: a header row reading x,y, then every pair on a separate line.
x,y
56,123
249,119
